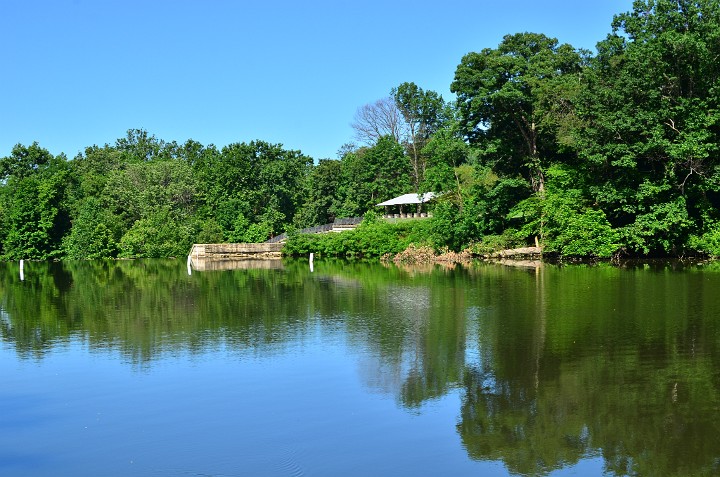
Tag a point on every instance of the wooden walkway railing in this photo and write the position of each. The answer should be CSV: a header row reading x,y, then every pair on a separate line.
x,y
337,226
270,249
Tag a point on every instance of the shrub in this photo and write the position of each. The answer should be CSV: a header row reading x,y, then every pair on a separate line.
x,y
371,239
707,243
490,244
584,234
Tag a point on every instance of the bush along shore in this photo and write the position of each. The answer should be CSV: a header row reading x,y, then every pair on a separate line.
x,y
411,242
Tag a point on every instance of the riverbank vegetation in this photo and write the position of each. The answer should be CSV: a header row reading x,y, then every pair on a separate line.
x,y
590,154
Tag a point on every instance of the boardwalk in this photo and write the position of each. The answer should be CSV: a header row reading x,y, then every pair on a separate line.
x,y
339,225
202,252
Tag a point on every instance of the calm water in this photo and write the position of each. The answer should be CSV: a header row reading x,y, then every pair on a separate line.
x,y
136,368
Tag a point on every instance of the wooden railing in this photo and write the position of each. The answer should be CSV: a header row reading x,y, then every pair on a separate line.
x,y
349,222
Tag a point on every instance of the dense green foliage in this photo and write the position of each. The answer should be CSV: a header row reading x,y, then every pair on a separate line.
x,y
373,238
590,155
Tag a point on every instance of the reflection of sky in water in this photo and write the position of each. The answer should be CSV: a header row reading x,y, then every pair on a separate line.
x,y
591,466
416,299
217,413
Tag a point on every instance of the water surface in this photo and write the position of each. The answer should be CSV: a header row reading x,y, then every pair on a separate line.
x,y
137,368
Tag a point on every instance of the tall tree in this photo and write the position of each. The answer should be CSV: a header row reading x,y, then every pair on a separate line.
x,y
153,207
138,145
378,119
320,195
33,205
262,182
503,100
25,161
372,175
422,112
651,116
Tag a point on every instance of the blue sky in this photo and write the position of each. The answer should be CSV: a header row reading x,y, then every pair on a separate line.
x,y
74,73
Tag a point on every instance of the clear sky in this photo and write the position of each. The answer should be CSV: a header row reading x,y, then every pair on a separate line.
x,y
74,73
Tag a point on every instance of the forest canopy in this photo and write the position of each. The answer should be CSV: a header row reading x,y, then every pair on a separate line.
x,y
612,153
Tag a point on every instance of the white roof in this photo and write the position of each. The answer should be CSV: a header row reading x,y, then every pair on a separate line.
x,y
409,199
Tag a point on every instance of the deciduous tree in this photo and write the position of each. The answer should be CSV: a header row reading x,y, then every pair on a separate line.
x,y
503,96
422,113
378,119
651,116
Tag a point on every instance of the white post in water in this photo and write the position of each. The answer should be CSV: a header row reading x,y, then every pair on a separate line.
x,y
189,264
312,256
22,270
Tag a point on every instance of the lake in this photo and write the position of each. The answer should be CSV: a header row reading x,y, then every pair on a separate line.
x,y
139,368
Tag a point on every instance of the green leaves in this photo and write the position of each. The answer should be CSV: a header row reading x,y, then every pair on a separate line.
x,y
321,195
372,239
650,121
562,219
26,161
372,175
159,234
513,99
262,181
34,208
144,197
423,115
92,235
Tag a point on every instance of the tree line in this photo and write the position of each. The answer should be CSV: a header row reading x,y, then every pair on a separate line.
x,y
611,153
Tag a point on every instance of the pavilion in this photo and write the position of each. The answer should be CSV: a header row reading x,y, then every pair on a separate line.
x,y
407,199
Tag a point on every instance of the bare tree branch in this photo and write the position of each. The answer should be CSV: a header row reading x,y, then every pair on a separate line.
x,y
381,118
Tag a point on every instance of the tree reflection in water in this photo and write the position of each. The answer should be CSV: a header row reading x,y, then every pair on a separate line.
x,y
554,364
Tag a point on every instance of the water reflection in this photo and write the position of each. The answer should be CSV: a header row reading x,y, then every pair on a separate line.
x,y
205,264
554,364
